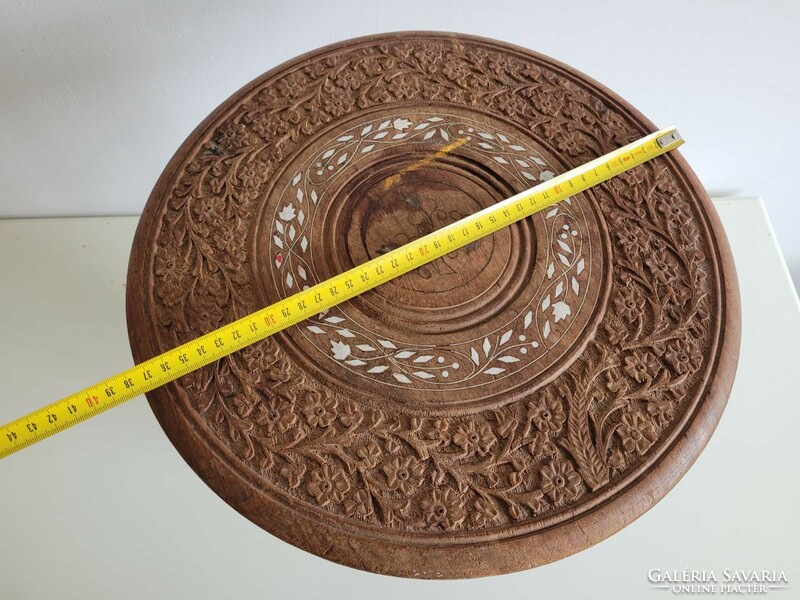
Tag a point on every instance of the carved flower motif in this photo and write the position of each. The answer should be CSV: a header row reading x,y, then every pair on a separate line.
x,y
319,411
641,365
498,64
170,266
547,102
265,126
292,84
615,383
336,101
174,273
327,485
293,473
662,269
404,87
570,143
456,71
252,174
672,209
484,512
350,415
350,79
436,430
279,372
443,507
260,356
369,454
683,356
661,410
616,335
371,65
393,446
547,413
206,315
688,235
359,505
632,238
541,445
276,413
229,240
474,437
506,423
244,404
560,481
511,104
636,432
428,57
666,185
231,137
633,177
404,474
536,501
209,210
628,305
616,460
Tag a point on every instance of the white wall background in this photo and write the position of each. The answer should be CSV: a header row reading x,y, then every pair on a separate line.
x,y
96,96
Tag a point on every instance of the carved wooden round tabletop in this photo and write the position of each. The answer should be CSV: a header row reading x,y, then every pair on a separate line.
x,y
503,407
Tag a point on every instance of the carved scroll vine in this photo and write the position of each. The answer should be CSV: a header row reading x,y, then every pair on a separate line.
x,y
518,462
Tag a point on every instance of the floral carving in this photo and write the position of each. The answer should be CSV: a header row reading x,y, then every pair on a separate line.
x,y
555,447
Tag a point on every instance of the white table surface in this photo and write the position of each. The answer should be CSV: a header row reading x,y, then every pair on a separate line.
x,y
108,509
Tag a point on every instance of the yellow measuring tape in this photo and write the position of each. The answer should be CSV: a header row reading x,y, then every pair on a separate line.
x,y
311,301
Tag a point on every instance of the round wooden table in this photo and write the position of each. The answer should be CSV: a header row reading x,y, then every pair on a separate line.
x,y
505,406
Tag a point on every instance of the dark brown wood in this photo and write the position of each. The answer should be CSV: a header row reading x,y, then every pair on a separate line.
x,y
500,408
